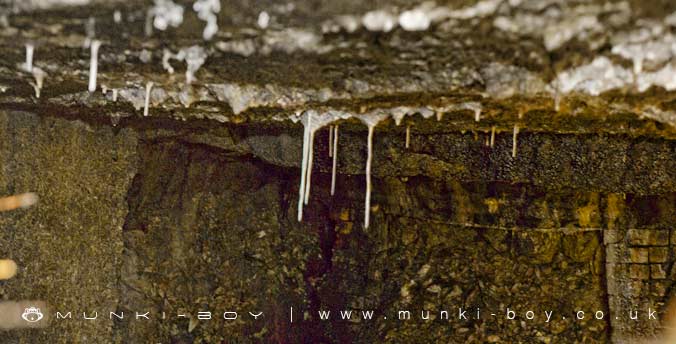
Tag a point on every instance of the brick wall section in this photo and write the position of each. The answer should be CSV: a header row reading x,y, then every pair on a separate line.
x,y
640,243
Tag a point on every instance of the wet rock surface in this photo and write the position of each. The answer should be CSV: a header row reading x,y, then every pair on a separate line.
x,y
540,173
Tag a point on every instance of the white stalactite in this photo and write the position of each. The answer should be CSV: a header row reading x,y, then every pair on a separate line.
x,y
311,154
369,157
39,76
146,104
330,141
371,120
93,65
477,114
114,94
335,160
29,58
312,122
514,135
303,164
408,136
492,136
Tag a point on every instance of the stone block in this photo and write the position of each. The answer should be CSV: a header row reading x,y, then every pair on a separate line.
x,y
657,272
659,254
638,254
639,271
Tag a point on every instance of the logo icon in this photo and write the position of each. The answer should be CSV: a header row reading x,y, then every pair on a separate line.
x,y
32,314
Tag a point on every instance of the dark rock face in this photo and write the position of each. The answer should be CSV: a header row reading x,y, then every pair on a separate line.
x,y
191,227
222,235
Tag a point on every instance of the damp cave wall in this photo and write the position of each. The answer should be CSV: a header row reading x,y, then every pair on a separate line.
x,y
171,219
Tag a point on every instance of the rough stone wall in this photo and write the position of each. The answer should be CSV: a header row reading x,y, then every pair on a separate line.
x,y
68,246
222,235
179,221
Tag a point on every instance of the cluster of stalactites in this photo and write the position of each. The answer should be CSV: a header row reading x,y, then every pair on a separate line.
x,y
313,121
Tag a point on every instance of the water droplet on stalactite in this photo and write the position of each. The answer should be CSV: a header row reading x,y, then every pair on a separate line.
x,y
330,141
146,103
93,65
408,136
335,160
371,121
514,137
492,136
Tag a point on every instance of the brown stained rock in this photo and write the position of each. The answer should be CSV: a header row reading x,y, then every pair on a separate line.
x,y
68,246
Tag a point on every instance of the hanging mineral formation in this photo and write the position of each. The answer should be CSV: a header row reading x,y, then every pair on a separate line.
x,y
514,135
28,66
93,65
207,11
308,182
312,122
492,136
307,123
408,136
39,76
146,102
371,120
330,141
335,160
